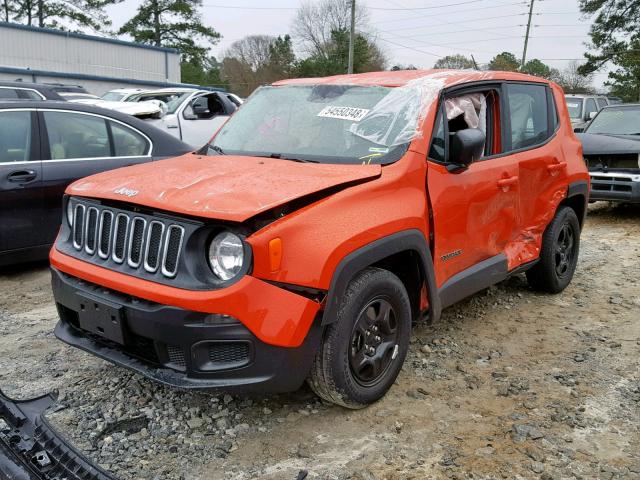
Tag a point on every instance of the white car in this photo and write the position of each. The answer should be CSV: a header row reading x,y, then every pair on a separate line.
x,y
192,115
120,94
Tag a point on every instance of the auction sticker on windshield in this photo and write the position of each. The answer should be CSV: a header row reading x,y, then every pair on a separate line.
x,y
343,113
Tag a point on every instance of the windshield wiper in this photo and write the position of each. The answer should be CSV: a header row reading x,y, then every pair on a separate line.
x,y
217,149
292,159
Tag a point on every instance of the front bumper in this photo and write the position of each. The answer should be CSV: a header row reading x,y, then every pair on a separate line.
x,y
177,347
615,186
31,449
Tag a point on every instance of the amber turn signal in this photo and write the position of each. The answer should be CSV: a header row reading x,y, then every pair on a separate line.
x,y
275,254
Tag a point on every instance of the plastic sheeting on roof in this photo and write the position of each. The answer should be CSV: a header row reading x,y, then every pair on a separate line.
x,y
398,117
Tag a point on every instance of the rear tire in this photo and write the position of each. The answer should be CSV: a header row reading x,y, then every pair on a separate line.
x,y
558,255
363,350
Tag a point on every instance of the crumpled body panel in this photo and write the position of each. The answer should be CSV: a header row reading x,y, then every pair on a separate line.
x,y
224,187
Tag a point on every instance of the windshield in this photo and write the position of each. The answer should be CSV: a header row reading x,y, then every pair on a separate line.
x,y
172,99
575,107
616,121
113,97
320,123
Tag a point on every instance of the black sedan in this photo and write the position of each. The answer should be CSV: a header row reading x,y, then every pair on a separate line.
x,y
611,148
44,146
28,91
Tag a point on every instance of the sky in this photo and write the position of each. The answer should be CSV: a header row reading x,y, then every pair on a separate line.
x,y
418,32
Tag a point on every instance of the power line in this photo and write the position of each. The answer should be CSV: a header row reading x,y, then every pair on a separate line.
x,y
429,44
458,22
410,48
431,15
425,8
238,7
466,30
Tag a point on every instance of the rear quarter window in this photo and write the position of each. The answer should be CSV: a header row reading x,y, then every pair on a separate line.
x,y
528,115
8,93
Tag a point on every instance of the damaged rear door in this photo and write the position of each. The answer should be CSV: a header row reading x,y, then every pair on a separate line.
x,y
531,125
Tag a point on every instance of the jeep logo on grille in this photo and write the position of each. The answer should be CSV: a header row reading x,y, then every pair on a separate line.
x,y
126,191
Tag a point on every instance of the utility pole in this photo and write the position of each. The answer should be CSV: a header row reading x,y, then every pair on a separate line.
x,y
352,35
526,37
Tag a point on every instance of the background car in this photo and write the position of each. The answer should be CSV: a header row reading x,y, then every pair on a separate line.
x,y
582,108
27,91
192,115
75,96
120,94
611,148
46,145
64,88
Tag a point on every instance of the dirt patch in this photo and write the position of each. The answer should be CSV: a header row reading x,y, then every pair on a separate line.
x,y
510,384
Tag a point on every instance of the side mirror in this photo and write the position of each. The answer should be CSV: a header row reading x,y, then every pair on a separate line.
x,y
200,106
465,147
592,115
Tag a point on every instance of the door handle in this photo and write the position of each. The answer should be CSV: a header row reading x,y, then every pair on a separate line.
x,y
172,126
555,167
22,176
505,183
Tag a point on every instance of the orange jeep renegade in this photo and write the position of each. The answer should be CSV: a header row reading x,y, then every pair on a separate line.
x,y
322,219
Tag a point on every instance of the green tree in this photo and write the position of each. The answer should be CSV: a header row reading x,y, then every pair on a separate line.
x,y
397,67
333,60
624,82
505,61
615,28
456,62
282,60
60,14
208,74
174,24
615,38
537,68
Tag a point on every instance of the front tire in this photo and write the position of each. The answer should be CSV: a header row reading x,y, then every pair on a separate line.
x,y
558,255
363,350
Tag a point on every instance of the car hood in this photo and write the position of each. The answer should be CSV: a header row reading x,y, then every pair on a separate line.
x,y
596,143
137,109
224,187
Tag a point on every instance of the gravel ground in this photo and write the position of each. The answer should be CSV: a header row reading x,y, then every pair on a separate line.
x,y
510,384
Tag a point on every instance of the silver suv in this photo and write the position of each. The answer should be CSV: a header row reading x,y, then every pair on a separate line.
x,y
582,108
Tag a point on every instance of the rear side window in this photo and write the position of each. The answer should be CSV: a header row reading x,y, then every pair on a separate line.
x,y
15,136
73,135
127,143
528,115
31,95
8,93
590,107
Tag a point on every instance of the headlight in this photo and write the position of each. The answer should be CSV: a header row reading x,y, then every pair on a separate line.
x,y
226,255
69,213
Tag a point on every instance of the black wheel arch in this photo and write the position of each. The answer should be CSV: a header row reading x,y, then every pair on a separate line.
x,y
577,198
407,241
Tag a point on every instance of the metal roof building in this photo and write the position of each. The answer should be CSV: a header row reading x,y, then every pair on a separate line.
x,y
99,64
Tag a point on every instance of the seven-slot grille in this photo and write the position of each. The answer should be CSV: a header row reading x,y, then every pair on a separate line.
x,y
124,237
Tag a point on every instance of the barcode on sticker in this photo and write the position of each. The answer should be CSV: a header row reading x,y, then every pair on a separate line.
x,y
344,113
